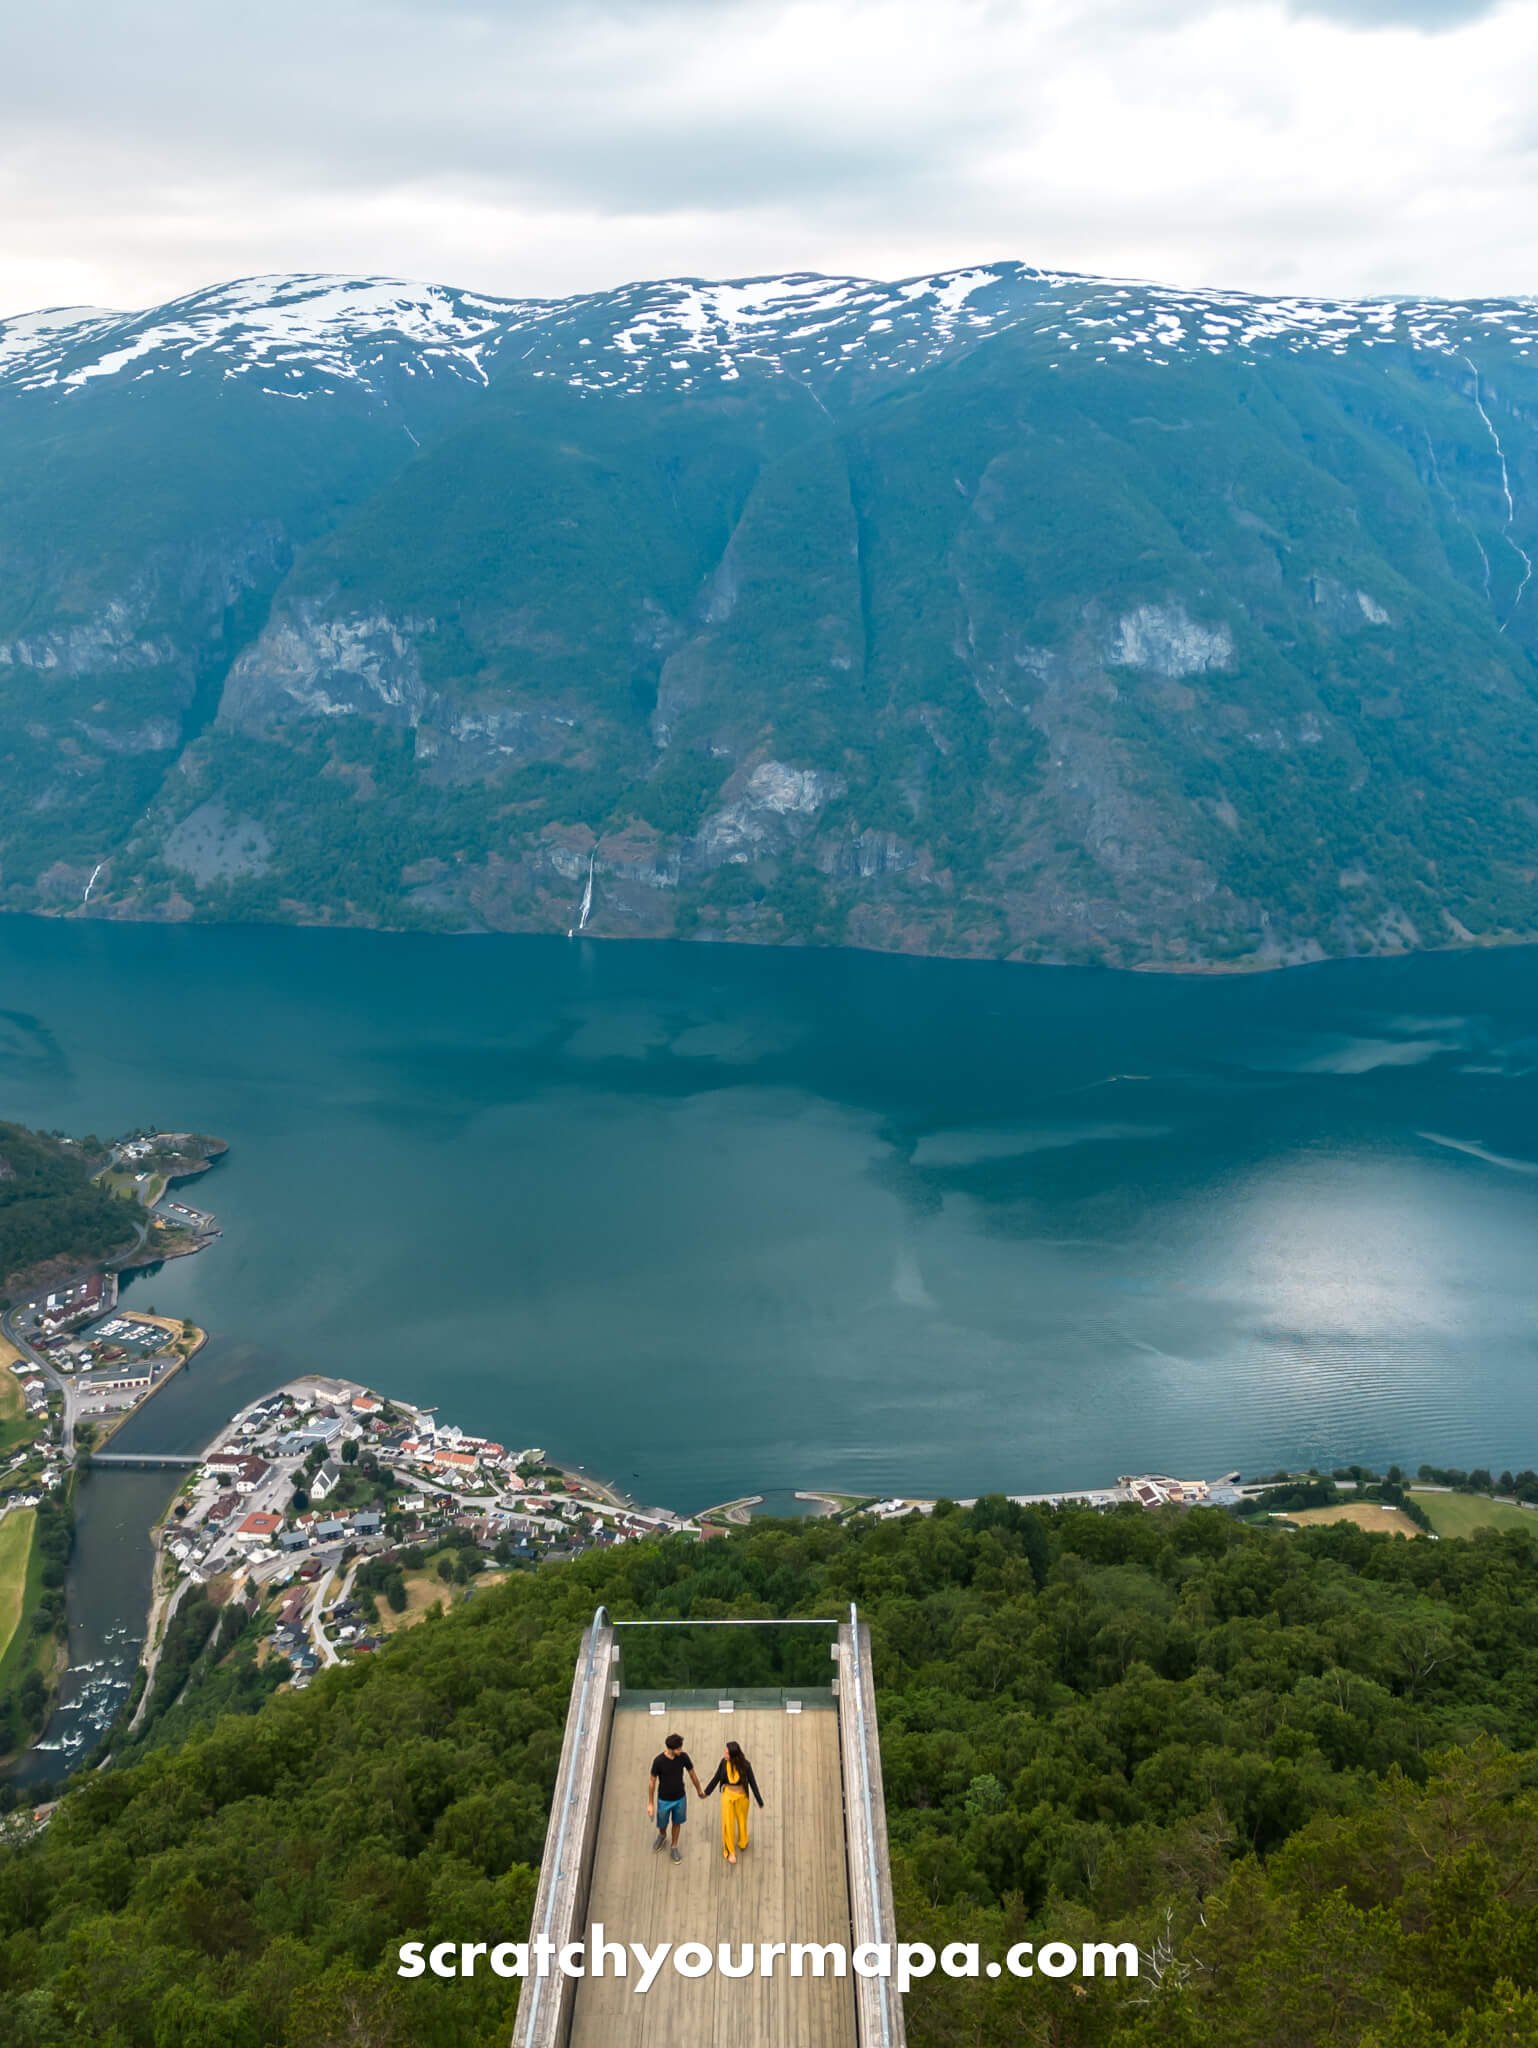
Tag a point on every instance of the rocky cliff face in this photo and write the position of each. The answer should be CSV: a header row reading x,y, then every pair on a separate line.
x,y
317,665
1000,613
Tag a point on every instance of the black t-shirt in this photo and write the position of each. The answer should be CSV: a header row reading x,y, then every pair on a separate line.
x,y
668,1770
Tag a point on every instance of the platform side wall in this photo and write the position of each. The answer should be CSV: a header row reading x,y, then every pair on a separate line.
x,y
566,1869
878,2008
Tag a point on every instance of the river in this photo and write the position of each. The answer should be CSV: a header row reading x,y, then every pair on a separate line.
x,y
717,1220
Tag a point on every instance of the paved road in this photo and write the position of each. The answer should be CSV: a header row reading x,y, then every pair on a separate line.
x,y
323,1649
57,1381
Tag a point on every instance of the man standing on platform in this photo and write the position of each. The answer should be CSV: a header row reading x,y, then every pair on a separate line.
x,y
666,1800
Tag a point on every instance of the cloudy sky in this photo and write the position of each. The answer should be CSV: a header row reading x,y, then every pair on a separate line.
x,y
545,146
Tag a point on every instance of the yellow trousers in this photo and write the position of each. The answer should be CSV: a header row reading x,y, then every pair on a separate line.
x,y
734,1821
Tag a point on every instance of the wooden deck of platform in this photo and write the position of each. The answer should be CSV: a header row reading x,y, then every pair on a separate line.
x,y
791,1885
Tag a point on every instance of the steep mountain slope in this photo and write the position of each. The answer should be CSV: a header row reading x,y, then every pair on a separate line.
x,y
1001,612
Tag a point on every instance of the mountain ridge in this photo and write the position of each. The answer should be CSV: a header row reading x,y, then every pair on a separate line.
x,y
729,305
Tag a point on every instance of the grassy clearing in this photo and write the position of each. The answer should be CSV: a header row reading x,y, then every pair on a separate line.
x,y
1461,1514
1367,1514
422,1590
17,1427
13,1403
15,1557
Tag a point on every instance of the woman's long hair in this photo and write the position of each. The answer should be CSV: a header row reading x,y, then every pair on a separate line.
x,y
738,1761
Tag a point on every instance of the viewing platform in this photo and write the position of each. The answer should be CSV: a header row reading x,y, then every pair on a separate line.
x,y
816,1870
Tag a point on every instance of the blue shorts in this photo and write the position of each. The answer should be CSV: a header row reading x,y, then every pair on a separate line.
x,y
675,1810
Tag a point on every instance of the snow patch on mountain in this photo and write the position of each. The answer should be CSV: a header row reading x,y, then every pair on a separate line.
x,y
303,336
36,338
318,329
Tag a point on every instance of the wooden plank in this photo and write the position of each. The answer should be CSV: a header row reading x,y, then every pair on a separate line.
x,y
790,1885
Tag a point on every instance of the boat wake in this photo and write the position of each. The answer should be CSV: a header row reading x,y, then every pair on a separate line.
x,y
1477,1151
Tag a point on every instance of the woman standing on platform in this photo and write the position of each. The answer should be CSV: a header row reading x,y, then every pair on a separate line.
x,y
734,1775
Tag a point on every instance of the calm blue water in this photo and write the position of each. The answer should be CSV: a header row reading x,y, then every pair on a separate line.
x,y
710,1220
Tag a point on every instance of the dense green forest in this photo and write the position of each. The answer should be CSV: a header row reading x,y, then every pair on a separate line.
x,y
49,1206
1296,1769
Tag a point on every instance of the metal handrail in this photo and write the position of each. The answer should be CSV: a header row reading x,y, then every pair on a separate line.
x,y
600,1619
738,1621
858,1686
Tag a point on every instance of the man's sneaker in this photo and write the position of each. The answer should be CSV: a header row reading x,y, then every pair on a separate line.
x,y
678,1855
661,1841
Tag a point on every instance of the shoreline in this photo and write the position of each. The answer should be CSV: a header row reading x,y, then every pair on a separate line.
x,y
595,1502
162,1257
172,1327
738,1513
578,1475
88,1298
1246,965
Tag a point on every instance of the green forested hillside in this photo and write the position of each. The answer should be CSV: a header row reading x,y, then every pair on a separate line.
x,y
50,1208
1296,1769
1119,661
1102,624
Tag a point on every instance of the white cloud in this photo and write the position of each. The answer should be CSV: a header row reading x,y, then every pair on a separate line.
x,y
1333,146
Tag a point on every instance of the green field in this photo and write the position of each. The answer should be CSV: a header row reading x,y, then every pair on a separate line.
x,y
15,1553
1461,1514
13,1408
17,1427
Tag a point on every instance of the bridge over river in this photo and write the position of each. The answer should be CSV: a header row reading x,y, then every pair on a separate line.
x,y
816,1870
146,1461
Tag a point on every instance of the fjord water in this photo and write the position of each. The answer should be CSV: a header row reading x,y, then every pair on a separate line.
x,y
713,1221
719,1220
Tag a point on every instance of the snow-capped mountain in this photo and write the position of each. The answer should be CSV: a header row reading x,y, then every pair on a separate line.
x,y
287,333
295,335
999,611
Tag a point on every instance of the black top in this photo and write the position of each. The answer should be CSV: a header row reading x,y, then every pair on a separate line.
x,y
668,1769
747,1778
